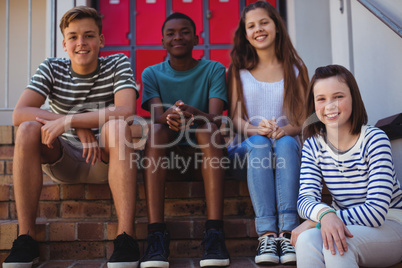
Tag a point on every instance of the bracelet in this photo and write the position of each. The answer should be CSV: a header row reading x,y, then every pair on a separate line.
x,y
318,226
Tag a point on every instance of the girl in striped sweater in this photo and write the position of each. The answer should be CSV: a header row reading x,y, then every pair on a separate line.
x,y
363,225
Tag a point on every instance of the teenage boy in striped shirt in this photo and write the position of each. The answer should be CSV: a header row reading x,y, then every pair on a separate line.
x,y
84,138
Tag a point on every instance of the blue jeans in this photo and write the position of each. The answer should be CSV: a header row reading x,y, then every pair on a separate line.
x,y
273,170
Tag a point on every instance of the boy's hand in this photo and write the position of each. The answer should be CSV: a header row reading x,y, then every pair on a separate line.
x,y
334,231
51,129
307,224
90,145
179,119
186,108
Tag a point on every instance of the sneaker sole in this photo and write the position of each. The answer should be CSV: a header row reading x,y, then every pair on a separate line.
x,y
206,263
288,259
19,264
122,264
264,259
159,264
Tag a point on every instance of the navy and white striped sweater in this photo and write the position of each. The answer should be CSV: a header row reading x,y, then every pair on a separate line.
x,y
362,182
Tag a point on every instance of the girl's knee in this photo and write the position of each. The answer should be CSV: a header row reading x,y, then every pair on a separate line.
x,y
309,239
286,144
258,142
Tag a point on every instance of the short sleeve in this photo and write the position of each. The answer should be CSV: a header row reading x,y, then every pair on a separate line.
x,y
124,77
42,81
150,88
218,87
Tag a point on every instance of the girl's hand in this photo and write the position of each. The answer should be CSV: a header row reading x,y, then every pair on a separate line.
x,y
267,127
90,145
334,231
279,133
307,224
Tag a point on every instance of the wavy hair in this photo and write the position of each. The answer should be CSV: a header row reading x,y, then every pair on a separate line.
x,y
244,56
80,12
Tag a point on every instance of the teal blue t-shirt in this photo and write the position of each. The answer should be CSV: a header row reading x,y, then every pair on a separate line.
x,y
194,87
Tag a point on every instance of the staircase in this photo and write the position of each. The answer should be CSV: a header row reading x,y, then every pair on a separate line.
x,y
78,221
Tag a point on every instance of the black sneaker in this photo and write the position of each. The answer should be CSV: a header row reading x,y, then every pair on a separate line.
x,y
126,252
24,253
287,252
215,252
157,252
267,251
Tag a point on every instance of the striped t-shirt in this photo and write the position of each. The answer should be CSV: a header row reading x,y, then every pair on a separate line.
x,y
362,182
71,93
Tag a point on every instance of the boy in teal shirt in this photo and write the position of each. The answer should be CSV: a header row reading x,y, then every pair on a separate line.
x,y
186,98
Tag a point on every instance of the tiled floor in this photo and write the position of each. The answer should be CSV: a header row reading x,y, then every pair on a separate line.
x,y
239,262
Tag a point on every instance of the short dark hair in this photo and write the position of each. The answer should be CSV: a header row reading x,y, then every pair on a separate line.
x,y
178,15
358,118
80,12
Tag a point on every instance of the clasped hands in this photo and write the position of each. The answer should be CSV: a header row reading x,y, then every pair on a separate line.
x,y
52,129
180,116
270,129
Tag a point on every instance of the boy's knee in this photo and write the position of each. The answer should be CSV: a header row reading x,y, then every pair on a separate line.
x,y
158,129
28,131
159,134
116,131
207,130
115,127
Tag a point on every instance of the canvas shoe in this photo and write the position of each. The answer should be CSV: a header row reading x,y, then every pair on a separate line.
x,y
215,252
267,251
287,252
126,253
157,252
24,253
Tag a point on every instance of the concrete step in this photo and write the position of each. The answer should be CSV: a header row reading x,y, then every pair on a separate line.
x,y
237,262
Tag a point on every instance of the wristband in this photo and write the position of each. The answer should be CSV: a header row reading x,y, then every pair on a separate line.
x,y
318,226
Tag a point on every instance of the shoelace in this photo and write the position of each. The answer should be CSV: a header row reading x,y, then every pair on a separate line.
x,y
156,246
211,242
285,245
122,241
22,242
267,245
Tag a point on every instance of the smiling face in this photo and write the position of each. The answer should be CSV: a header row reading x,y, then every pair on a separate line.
x,y
82,42
179,38
333,103
260,29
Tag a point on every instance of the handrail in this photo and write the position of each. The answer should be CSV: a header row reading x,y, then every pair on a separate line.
x,y
381,16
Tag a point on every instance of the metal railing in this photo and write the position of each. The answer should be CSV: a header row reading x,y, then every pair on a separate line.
x,y
53,9
382,16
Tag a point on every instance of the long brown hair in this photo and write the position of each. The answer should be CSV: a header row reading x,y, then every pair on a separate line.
x,y
358,118
244,56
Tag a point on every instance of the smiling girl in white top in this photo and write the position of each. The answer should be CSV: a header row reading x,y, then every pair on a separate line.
x,y
267,85
363,225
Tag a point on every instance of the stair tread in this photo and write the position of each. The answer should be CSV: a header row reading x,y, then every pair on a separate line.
x,y
237,262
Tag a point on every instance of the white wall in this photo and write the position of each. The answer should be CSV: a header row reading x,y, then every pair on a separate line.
x,y
309,29
358,40
377,54
19,72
